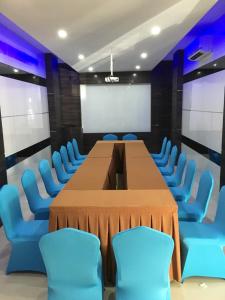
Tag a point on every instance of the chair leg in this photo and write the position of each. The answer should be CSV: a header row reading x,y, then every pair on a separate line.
x,y
25,256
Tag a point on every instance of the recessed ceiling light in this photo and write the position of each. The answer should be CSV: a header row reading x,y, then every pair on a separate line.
x,y
155,30
81,56
215,65
137,67
90,69
144,55
134,74
95,76
15,70
62,34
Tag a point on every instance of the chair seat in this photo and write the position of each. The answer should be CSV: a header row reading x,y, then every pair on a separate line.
x,y
171,181
44,204
200,232
179,194
166,171
189,212
31,230
57,189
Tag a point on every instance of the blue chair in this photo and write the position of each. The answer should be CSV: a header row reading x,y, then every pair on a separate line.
x,y
72,157
110,137
143,257
65,159
197,210
162,152
62,176
176,178
169,169
38,205
130,137
76,151
164,161
51,187
22,235
73,263
202,245
183,193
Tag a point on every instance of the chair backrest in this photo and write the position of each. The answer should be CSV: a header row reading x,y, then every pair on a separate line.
x,y
163,148
173,157
205,189
110,137
31,190
70,152
46,175
220,212
71,259
143,257
130,137
64,155
10,210
57,163
75,148
189,176
167,152
180,167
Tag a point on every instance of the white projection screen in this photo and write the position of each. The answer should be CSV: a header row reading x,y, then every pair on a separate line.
x,y
116,108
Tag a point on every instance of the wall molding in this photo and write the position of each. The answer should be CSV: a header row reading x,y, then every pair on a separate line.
x,y
7,71
203,150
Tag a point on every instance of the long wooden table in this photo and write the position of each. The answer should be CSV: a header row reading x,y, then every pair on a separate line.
x,y
90,202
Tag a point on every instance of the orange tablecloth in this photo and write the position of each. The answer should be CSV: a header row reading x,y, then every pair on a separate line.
x,y
146,200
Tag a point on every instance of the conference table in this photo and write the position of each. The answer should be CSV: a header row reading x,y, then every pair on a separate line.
x,y
117,187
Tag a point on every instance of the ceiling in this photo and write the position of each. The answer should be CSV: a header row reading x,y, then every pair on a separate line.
x,y
98,27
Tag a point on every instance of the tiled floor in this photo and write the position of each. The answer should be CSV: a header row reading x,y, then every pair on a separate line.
x,y
24,286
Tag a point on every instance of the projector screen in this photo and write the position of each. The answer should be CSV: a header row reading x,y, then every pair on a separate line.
x,y
116,108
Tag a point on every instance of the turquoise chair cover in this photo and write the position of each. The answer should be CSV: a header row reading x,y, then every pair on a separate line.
x,y
162,152
51,187
183,192
169,169
73,160
164,161
76,150
143,257
110,137
65,159
39,206
176,178
130,137
203,244
73,263
62,176
196,211
22,235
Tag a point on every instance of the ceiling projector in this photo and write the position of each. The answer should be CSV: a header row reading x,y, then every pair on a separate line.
x,y
112,79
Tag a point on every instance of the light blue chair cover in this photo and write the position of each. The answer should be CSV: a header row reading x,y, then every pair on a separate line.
x,y
183,192
202,245
169,169
176,178
110,137
162,152
73,263
76,150
39,206
130,137
164,161
51,187
22,235
197,210
71,154
62,176
65,159
143,257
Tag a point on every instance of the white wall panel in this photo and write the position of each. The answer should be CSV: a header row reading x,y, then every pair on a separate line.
x,y
116,108
203,101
